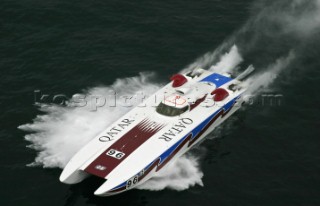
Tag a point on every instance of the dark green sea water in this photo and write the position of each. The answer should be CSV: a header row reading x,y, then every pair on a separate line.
x,y
266,155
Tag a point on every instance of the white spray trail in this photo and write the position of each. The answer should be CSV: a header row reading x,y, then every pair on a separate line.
x,y
218,60
62,131
228,61
179,175
274,25
258,82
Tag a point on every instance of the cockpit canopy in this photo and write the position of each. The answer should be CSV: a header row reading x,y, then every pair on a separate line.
x,y
170,111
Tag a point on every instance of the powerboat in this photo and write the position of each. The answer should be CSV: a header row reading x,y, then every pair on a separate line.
x,y
157,131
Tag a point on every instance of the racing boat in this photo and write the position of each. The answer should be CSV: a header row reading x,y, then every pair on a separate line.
x,y
158,131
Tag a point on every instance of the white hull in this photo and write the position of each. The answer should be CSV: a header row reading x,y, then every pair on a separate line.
x,y
144,140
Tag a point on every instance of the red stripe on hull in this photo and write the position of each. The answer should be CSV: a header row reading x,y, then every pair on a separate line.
x,y
126,144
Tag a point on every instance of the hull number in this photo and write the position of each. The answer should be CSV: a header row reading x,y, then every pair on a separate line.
x,y
115,154
131,182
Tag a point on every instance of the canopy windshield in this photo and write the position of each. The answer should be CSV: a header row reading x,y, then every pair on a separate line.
x,y
170,111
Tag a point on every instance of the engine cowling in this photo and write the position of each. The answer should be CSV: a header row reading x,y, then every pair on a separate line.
x,y
219,94
178,80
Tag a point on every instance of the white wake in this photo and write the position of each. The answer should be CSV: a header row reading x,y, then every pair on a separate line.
x,y
179,175
63,130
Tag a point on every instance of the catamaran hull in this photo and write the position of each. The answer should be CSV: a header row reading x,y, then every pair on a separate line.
x,y
145,140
